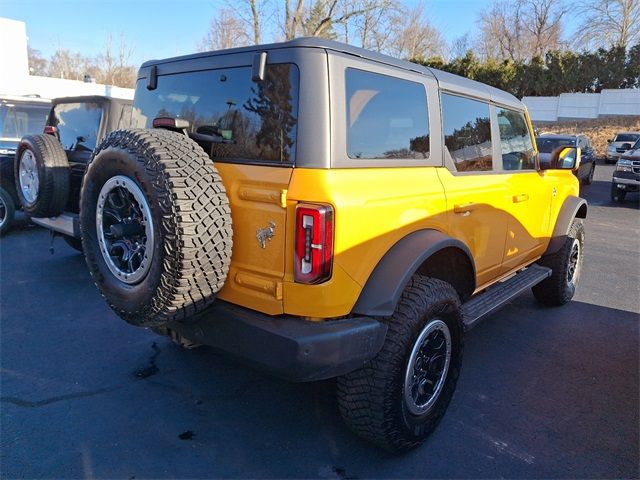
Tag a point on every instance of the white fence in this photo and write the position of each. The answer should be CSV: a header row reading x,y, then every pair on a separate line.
x,y
584,105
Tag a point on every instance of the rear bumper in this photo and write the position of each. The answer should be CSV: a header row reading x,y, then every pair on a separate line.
x,y
289,347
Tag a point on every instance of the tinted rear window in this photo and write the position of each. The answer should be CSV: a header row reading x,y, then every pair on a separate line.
x,y
18,120
386,117
78,125
626,137
229,115
548,145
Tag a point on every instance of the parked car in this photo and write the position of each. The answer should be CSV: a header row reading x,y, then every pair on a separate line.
x,y
326,211
619,144
49,169
19,115
548,142
626,176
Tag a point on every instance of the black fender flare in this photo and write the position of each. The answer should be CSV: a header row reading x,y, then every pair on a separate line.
x,y
389,278
573,207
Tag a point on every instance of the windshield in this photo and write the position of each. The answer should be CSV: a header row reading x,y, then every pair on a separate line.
x,y
626,137
18,120
548,145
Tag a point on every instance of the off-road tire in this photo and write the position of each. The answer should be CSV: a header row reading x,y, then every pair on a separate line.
x,y
617,195
53,175
73,242
556,290
7,211
371,399
191,225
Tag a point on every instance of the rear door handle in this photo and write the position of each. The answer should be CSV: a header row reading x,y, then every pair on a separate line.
x,y
464,208
523,197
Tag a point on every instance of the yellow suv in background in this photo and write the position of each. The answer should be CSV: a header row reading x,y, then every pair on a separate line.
x,y
325,211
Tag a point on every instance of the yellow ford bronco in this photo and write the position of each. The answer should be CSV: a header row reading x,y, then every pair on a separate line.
x,y
323,211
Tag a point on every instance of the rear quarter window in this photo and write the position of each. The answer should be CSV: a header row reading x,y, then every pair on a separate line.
x,y
229,115
78,125
386,117
18,120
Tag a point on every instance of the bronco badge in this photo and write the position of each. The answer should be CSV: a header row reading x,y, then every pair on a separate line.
x,y
264,234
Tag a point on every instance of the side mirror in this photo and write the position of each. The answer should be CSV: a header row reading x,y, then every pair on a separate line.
x,y
565,158
609,140
626,146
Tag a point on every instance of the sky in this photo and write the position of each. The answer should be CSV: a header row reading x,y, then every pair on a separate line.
x,y
166,28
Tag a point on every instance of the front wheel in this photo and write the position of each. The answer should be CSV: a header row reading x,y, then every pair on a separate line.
x,y
589,178
398,398
566,266
617,195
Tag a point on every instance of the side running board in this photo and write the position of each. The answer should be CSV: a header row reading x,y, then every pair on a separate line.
x,y
497,295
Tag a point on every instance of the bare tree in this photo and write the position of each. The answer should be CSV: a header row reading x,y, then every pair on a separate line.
x,y
37,63
293,18
521,29
542,24
414,37
114,66
460,46
375,27
609,23
226,30
69,65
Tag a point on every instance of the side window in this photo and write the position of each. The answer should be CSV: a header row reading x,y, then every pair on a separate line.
x,y
467,133
515,141
229,115
386,117
78,125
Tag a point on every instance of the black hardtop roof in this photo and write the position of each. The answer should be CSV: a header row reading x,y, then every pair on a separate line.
x,y
447,80
90,99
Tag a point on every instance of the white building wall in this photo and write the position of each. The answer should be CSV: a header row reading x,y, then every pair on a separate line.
x,y
15,78
584,105
13,55
544,108
620,102
579,105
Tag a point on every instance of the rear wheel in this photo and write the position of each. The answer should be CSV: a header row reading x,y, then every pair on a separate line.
x,y
7,211
617,195
566,266
589,178
42,175
156,226
397,399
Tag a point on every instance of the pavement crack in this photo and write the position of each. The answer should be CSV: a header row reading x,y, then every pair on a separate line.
x,y
60,398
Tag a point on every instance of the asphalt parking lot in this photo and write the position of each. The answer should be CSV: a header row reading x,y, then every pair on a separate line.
x,y
544,392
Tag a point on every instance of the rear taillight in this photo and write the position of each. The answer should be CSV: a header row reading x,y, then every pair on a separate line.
x,y
50,130
314,243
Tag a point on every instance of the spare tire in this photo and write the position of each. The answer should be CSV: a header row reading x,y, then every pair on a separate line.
x,y
156,226
42,175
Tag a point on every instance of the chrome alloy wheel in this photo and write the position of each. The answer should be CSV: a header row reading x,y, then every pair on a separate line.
x,y
427,367
573,269
125,229
28,177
